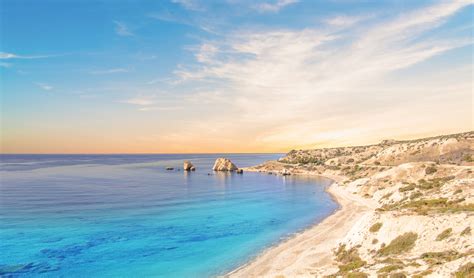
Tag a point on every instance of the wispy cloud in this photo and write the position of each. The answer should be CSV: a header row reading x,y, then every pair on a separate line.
x,y
159,80
159,108
200,22
298,69
5,56
345,20
153,100
122,29
140,101
110,71
273,6
193,5
44,86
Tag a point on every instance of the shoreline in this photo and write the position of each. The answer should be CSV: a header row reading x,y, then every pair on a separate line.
x,y
316,243
405,210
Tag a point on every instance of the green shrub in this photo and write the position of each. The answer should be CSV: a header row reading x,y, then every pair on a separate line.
x,y
356,274
465,271
350,259
433,183
444,234
433,258
390,261
407,188
423,273
390,268
375,228
466,231
400,244
415,195
345,256
397,275
352,265
468,158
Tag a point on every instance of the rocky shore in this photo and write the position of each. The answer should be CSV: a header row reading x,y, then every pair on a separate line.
x,y
407,210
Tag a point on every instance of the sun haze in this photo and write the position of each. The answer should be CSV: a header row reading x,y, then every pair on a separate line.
x,y
189,76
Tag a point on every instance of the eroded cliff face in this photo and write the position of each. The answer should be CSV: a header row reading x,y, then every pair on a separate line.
x,y
452,149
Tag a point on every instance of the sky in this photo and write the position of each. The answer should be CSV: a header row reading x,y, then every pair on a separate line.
x,y
230,76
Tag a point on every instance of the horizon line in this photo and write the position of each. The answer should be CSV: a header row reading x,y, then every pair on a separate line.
x,y
138,153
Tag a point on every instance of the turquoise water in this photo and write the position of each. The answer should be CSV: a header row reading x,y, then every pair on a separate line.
x,y
126,216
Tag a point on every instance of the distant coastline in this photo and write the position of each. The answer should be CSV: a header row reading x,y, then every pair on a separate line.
x,y
416,189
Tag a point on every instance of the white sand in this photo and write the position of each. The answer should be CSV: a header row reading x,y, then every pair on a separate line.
x,y
312,249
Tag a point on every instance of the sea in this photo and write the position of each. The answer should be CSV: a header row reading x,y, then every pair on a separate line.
x,y
127,216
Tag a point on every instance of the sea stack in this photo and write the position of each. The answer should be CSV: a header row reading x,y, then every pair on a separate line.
x,y
188,166
224,164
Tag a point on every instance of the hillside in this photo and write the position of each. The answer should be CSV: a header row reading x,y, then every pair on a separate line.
x,y
419,208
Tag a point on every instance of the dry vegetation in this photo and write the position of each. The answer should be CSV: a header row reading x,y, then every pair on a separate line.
x,y
425,194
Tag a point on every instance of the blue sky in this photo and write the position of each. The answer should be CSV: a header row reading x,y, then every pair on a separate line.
x,y
231,75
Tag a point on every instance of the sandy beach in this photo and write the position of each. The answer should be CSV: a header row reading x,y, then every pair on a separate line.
x,y
406,209
312,249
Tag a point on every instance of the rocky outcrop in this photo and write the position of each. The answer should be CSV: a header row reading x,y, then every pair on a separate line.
x,y
188,166
224,164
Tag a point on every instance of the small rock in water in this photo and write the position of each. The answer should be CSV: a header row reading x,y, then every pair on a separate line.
x,y
188,166
169,168
240,171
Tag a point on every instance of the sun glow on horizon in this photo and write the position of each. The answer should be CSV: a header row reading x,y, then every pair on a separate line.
x,y
231,77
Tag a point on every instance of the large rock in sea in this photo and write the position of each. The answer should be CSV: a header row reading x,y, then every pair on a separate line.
x,y
224,164
188,166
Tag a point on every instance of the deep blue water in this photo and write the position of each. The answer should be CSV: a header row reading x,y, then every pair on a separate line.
x,y
126,216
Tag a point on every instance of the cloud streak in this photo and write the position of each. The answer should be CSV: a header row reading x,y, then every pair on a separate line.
x,y
273,6
192,5
140,101
122,29
110,71
45,87
277,78
6,56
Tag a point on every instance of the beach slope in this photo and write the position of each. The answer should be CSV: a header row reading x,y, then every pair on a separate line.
x,y
406,209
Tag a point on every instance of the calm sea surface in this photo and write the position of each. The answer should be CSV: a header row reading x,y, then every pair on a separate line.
x,y
126,216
